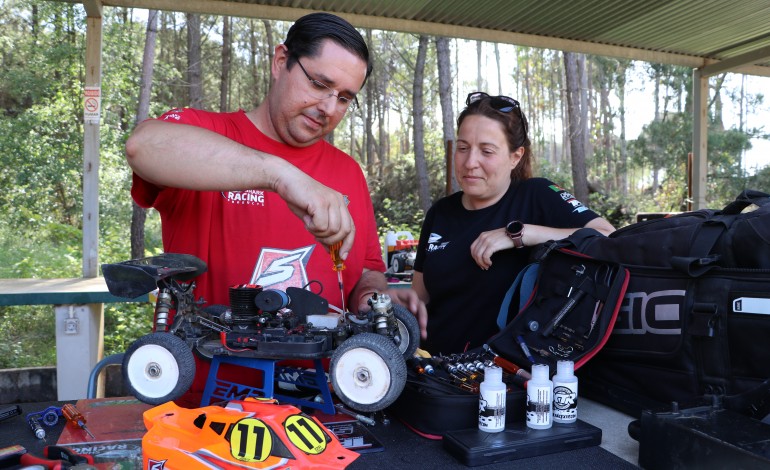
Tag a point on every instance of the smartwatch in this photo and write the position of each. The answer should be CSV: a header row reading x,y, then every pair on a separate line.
x,y
514,231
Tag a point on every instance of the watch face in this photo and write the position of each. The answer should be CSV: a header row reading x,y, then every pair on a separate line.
x,y
514,228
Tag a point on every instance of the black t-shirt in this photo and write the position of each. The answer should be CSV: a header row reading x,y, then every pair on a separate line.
x,y
464,299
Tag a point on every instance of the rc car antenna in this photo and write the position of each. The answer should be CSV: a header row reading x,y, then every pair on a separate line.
x,y
338,265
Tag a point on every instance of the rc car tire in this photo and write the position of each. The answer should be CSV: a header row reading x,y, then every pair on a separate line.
x,y
408,331
395,263
368,372
158,367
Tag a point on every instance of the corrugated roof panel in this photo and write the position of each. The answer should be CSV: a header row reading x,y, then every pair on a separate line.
x,y
679,31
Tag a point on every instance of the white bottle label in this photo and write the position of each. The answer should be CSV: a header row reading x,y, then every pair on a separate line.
x,y
564,403
492,411
538,405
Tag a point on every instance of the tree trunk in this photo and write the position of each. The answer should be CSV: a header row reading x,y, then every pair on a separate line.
x,y
447,110
370,142
139,214
622,173
224,84
194,66
423,185
585,103
499,72
383,111
479,78
576,127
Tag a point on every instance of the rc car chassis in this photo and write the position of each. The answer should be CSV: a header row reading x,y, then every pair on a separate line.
x,y
367,349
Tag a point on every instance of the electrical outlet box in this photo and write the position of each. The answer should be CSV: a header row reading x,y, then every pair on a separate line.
x,y
71,326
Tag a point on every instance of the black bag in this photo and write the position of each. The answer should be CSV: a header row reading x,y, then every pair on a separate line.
x,y
695,320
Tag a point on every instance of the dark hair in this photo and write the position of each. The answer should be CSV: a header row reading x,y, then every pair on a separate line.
x,y
307,33
514,133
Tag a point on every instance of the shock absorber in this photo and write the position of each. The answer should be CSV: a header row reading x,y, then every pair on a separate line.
x,y
162,308
382,308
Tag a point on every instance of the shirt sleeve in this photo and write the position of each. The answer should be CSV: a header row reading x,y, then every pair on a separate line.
x,y
558,207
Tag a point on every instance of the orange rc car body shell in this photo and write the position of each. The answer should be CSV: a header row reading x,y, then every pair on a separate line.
x,y
244,434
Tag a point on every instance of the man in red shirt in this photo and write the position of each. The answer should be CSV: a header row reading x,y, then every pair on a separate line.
x,y
260,195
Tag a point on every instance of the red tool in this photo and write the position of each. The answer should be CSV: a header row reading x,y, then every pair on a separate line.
x,y
59,458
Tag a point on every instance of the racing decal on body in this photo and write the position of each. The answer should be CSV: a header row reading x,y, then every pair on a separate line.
x,y
279,269
305,434
156,464
251,440
250,197
435,243
567,197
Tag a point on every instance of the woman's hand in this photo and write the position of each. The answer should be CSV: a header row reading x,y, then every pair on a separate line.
x,y
489,243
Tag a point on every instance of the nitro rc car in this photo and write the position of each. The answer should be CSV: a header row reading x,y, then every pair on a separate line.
x,y
367,349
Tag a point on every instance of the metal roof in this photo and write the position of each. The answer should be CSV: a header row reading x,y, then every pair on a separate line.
x,y
692,33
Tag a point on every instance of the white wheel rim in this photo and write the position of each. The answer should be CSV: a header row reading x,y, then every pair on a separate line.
x,y
153,371
362,376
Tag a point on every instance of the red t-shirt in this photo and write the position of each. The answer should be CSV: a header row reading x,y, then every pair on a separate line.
x,y
252,236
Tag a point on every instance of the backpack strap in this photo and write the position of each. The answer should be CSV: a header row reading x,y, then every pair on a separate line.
x,y
524,284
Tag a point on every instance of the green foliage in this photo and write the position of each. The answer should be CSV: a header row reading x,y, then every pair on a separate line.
x,y
27,336
123,323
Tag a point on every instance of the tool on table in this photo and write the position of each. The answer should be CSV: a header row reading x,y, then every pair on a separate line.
x,y
74,416
37,429
58,457
507,365
49,416
68,455
338,266
358,416
10,455
8,412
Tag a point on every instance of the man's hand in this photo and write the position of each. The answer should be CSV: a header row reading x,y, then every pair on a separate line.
x,y
409,299
323,210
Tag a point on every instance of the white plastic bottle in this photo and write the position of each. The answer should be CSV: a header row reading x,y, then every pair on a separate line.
x,y
539,398
565,393
492,400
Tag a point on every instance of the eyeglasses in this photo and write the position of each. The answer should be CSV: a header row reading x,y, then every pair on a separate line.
x,y
322,91
504,104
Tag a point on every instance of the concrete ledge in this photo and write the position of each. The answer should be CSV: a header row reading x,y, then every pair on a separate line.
x,y
38,384
27,384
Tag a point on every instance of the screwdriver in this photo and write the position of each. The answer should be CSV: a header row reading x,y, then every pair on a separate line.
x,y
338,266
74,416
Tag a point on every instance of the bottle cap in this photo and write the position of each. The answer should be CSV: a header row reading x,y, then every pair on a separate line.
x,y
493,374
565,368
540,372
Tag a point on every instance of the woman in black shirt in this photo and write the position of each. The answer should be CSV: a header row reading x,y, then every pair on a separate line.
x,y
474,242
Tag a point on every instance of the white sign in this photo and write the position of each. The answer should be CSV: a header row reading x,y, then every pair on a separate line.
x,y
92,104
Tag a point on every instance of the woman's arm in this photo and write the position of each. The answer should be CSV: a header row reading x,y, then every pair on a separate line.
x,y
489,243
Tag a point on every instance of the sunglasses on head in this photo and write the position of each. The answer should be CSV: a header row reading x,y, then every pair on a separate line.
x,y
504,104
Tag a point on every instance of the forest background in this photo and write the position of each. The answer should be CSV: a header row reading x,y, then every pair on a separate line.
x,y
580,110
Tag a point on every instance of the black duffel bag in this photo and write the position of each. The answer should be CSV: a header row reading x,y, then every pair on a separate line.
x,y
695,319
